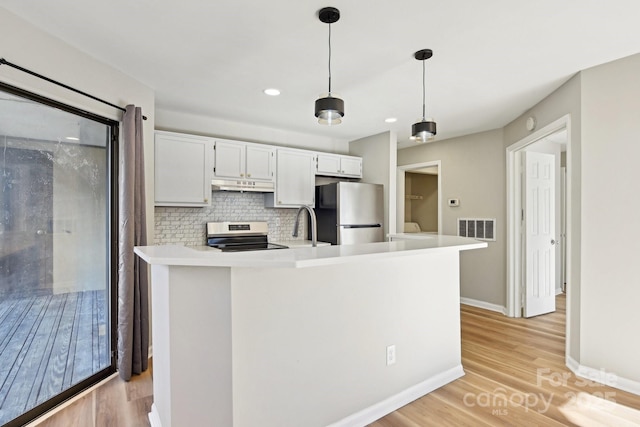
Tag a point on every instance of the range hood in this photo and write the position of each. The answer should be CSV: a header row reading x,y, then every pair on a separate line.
x,y
241,185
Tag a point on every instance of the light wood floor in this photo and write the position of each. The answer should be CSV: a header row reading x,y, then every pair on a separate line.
x,y
114,404
513,368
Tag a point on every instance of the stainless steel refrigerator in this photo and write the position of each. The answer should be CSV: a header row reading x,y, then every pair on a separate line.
x,y
350,212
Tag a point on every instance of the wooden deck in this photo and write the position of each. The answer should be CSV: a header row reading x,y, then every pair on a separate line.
x,y
47,344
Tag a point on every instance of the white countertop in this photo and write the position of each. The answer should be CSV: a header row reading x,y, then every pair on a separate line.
x,y
295,244
420,235
301,257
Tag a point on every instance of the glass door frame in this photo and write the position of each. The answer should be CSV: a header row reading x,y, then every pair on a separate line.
x,y
112,225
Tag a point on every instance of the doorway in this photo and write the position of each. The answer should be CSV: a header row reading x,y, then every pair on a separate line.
x,y
556,138
419,190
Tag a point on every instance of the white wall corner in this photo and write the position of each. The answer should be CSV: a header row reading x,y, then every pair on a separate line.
x,y
599,375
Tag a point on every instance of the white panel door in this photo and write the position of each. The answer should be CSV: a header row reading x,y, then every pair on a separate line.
x,y
539,239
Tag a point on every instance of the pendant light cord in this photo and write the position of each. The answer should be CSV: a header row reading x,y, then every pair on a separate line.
x,y
424,92
329,59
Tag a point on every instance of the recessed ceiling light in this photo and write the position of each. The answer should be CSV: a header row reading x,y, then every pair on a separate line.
x,y
72,138
272,92
391,120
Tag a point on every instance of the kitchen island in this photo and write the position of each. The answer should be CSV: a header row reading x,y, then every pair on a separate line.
x,y
336,335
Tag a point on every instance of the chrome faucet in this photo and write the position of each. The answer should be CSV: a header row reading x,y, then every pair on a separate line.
x,y
314,227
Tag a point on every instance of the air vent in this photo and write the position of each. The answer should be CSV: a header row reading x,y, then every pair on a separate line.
x,y
478,228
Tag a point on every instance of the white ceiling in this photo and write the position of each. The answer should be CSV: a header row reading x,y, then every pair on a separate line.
x,y
492,60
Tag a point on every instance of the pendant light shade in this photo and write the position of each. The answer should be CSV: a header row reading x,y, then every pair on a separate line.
x,y
329,108
425,129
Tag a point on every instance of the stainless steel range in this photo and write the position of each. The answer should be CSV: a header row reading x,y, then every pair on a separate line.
x,y
239,236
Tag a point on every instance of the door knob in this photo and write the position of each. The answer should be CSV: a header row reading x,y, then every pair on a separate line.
x,y
40,232
553,241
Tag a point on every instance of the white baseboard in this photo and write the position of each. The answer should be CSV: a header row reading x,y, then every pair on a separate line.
x,y
608,378
558,291
380,409
154,417
483,304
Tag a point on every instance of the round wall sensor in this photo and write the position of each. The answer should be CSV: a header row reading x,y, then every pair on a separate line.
x,y
531,123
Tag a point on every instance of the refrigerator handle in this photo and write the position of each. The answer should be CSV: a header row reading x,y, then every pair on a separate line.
x,y
362,226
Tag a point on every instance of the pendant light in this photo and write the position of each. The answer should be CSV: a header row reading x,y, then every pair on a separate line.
x,y
423,130
330,108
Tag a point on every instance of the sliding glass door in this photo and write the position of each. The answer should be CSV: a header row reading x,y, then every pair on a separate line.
x,y
57,234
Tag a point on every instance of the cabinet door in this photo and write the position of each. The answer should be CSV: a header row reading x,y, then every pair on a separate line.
x,y
328,164
295,178
230,159
259,162
351,166
182,176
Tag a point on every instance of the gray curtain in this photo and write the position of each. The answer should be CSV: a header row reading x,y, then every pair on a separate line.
x,y
133,291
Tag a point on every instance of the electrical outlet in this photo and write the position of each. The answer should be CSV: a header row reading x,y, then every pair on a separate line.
x,y
391,355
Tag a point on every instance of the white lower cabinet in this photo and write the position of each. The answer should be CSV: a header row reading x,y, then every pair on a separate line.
x,y
295,179
182,170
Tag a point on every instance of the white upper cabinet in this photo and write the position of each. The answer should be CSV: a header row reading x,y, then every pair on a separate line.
x,y
185,165
338,165
243,160
259,162
229,159
182,170
351,166
295,179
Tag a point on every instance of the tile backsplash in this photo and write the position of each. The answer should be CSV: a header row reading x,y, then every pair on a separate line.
x,y
186,226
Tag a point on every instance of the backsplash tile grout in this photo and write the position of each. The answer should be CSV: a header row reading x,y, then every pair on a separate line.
x,y
186,226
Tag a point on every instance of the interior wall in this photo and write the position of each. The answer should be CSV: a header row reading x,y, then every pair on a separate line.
x,y
610,235
472,170
379,158
565,100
